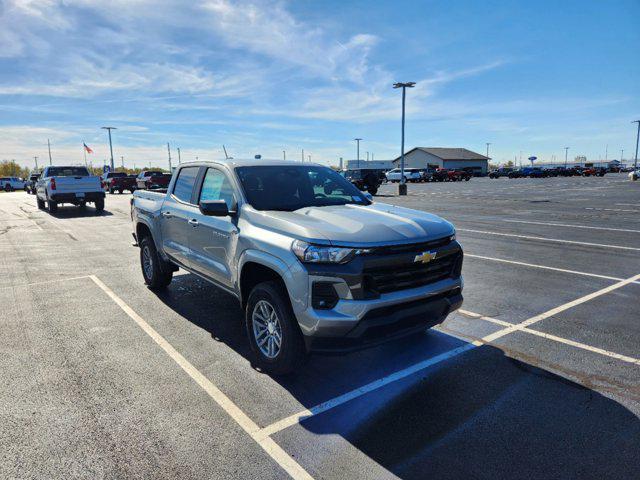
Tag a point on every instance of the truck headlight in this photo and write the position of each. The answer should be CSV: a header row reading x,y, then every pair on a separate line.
x,y
308,253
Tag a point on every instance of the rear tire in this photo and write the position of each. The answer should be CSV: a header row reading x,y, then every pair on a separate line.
x,y
269,317
40,203
52,206
155,271
99,204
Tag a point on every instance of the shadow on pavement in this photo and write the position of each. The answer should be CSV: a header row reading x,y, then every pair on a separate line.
x,y
479,415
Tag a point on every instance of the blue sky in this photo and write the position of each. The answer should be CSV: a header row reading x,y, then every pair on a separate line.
x,y
263,77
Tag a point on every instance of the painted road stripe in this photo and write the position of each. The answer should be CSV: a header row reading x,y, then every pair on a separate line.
x,y
548,336
57,280
544,267
574,226
598,209
544,239
268,444
376,384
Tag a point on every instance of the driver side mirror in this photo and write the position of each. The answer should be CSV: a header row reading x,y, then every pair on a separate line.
x,y
215,208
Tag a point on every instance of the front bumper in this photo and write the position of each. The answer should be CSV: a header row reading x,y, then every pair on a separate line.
x,y
356,324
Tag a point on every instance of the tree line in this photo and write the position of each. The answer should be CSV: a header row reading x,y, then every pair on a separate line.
x,y
10,168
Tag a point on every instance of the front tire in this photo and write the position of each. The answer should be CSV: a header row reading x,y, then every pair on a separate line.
x,y
273,331
40,203
155,272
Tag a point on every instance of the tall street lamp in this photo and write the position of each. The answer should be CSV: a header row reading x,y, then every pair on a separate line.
x,y
635,163
488,143
402,188
110,144
566,156
357,140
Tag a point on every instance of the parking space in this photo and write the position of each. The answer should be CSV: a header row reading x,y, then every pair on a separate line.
x,y
537,376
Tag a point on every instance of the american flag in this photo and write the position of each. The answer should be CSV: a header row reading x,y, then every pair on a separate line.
x,y
87,149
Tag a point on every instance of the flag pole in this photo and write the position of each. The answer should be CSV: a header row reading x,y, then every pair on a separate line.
x,y
84,150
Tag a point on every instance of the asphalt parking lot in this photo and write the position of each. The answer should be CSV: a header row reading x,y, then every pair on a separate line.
x,y
538,376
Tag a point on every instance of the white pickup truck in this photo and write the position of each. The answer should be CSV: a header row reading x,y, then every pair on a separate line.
x,y
68,185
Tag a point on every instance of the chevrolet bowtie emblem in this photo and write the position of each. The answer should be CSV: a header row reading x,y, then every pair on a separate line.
x,y
425,257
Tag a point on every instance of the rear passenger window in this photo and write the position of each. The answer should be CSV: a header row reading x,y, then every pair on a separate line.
x,y
184,183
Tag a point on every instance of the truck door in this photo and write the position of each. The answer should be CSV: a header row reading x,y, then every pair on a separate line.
x,y
213,239
175,214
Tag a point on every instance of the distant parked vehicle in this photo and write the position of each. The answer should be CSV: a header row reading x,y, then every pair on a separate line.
x,y
107,177
9,184
634,174
364,179
31,183
410,175
551,172
500,172
567,172
461,175
152,179
68,185
121,183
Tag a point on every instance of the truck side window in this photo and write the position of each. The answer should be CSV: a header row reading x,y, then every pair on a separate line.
x,y
216,186
184,183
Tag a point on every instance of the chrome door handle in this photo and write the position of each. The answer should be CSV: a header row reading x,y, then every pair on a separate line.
x,y
193,222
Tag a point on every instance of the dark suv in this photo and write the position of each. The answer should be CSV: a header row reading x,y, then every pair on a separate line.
x,y
364,179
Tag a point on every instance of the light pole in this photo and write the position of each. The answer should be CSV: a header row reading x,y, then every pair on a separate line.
x,y
122,158
284,155
566,156
110,144
179,159
303,155
402,188
635,163
488,149
621,155
357,140
49,145
36,159
169,153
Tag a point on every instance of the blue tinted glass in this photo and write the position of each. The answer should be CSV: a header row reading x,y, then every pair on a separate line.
x,y
184,184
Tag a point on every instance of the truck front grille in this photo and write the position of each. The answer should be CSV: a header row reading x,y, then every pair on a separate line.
x,y
392,278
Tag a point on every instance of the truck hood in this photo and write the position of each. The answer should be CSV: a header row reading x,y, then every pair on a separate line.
x,y
356,225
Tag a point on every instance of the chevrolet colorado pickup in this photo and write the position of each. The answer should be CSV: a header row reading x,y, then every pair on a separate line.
x,y
72,185
315,265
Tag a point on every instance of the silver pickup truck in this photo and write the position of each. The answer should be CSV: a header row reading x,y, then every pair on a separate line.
x,y
315,264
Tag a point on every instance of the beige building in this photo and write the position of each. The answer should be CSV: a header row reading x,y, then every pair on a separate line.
x,y
437,157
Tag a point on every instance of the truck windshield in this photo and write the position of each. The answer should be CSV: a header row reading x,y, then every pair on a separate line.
x,y
67,172
289,188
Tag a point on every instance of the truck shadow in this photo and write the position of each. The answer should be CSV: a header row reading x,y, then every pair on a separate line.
x,y
71,211
481,414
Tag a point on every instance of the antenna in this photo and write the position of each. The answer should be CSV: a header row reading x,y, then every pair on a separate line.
x,y
226,156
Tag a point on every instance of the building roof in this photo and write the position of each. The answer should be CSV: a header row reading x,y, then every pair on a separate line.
x,y
445,153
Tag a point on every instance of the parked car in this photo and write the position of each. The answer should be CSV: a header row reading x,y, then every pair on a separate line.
x,y
460,175
121,183
427,174
551,171
149,179
530,172
601,171
364,179
59,184
634,174
500,172
108,176
31,183
315,265
410,175
9,184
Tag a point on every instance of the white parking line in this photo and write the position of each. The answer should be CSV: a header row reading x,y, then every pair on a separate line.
x,y
57,280
574,226
555,338
543,267
376,384
611,209
544,239
274,450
